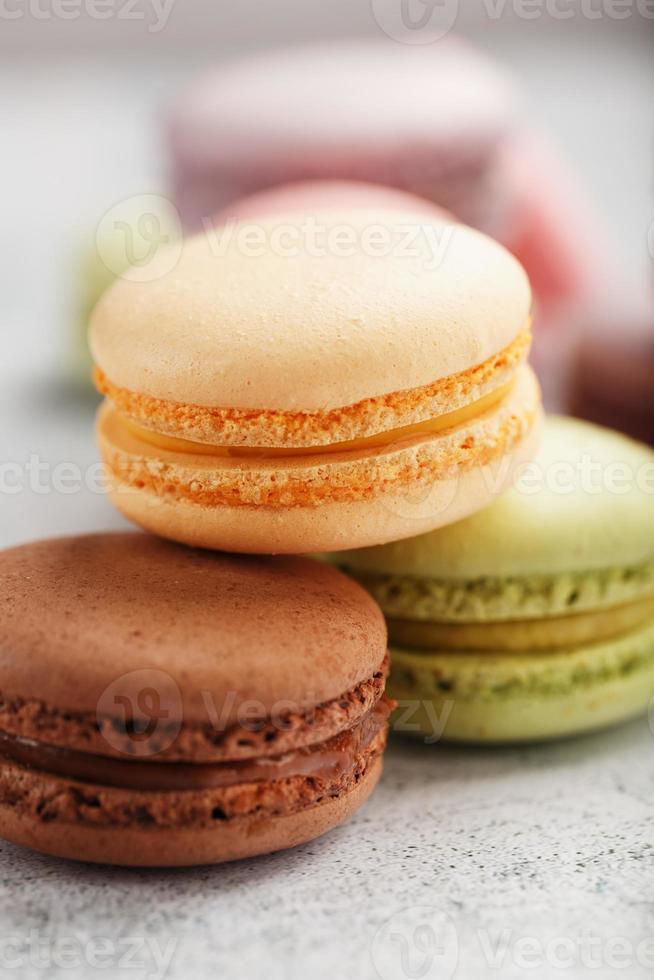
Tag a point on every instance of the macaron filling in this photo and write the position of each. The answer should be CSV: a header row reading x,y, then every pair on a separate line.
x,y
382,440
374,422
559,632
326,760
199,742
426,463
396,489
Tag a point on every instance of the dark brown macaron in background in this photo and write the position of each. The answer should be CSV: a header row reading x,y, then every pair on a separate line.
x,y
167,706
613,378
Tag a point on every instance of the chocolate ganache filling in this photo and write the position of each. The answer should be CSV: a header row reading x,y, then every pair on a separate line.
x,y
334,757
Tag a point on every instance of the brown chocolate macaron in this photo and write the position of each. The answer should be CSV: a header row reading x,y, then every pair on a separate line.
x,y
167,706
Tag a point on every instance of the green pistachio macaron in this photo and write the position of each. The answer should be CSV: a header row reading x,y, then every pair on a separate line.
x,y
533,619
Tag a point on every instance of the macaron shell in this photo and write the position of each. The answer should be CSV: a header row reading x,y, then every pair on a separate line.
x,y
82,614
586,503
293,530
500,698
313,196
315,112
523,721
501,599
146,847
310,329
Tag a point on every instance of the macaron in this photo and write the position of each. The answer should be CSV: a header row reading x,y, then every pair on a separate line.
x,y
612,379
297,385
166,706
555,232
316,196
347,110
442,121
533,619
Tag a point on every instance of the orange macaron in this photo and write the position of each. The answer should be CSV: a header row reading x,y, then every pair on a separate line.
x,y
315,383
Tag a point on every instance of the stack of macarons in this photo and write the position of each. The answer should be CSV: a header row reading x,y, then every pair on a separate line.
x,y
162,704
519,618
339,369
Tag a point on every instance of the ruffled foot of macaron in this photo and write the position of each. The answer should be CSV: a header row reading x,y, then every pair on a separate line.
x,y
533,619
285,386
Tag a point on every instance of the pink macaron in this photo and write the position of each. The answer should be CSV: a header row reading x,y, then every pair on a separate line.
x,y
554,232
426,120
442,121
316,196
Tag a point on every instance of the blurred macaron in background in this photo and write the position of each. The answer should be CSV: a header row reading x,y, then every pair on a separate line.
x,y
444,122
427,120
338,124
315,197
612,379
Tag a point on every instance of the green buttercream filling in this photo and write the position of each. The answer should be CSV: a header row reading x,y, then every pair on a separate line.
x,y
491,676
506,598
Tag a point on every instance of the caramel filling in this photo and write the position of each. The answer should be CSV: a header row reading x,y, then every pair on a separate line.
x,y
433,426
557,633
332,758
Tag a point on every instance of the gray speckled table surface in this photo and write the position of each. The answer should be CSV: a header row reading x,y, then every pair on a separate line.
x,y
468,864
